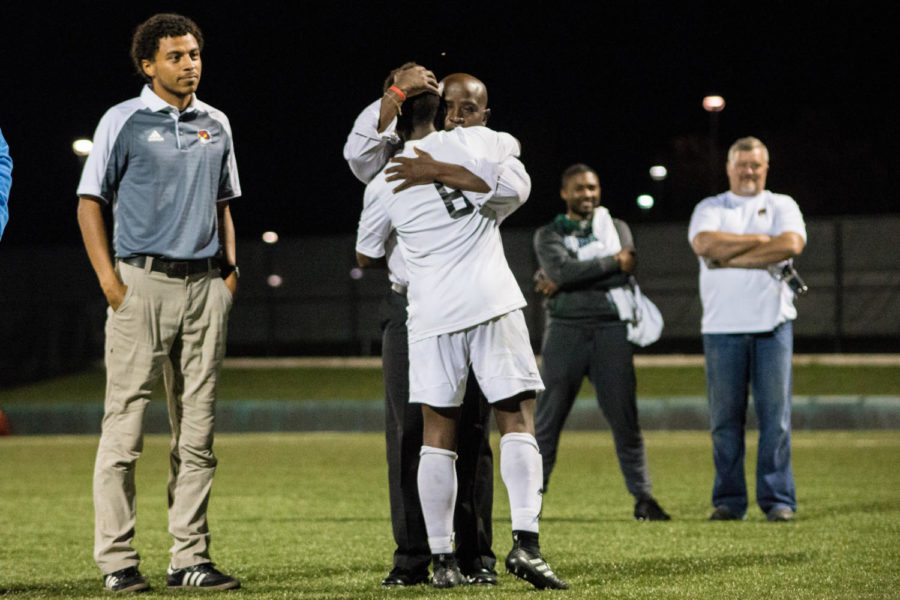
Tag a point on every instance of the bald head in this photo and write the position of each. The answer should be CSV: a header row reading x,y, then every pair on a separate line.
x,y
466,99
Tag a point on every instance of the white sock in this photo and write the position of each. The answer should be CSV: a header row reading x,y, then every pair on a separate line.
x,y
523,473
437,495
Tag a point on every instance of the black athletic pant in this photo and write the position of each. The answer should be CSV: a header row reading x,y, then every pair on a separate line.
x,y
603,354
403,437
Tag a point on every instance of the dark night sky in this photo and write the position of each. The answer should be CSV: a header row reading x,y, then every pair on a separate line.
x,y
617,85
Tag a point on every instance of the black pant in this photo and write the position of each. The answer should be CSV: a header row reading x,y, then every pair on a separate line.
x,y
604,354
403,437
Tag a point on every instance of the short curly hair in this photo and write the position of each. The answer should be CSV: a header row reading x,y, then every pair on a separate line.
x,y
577,169
145,41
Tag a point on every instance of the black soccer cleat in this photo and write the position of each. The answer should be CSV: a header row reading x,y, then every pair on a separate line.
x,y
203,577
446,573
648,509
531,566
125,581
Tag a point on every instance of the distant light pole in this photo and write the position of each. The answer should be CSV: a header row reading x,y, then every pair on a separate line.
x,y
658,174
713,105
274,281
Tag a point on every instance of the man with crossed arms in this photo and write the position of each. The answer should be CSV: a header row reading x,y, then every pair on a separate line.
x,y
744,239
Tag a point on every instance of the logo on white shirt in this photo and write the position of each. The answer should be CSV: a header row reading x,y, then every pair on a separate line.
x,y
155,137
204,136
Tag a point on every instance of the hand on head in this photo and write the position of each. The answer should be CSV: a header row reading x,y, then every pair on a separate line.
x,y
413,79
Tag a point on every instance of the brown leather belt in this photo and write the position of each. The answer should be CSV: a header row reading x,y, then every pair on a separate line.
x,y
173,268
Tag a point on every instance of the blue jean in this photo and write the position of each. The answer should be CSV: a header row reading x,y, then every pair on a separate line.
x,y
736,363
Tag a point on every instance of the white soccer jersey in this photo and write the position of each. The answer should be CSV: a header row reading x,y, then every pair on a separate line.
x,y
457,271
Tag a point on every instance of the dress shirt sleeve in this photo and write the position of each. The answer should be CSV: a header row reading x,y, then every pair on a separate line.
x,y
366,150
374,226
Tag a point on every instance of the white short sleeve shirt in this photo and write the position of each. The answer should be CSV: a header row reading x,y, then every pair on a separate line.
x,y
745,300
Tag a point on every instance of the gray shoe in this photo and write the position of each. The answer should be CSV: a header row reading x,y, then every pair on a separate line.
x,y
780,514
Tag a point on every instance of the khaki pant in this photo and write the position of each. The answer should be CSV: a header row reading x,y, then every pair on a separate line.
x,y
176,327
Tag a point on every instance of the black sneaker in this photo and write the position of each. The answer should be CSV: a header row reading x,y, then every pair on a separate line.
x,y
721,513
531,566
400,577
648,509
202,576
482,576
446,571
125,580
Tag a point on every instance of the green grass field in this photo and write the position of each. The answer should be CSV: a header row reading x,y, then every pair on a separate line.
x,y
306,516
309,383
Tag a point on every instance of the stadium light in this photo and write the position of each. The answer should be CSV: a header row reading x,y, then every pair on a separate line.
x,y
82,147
645,201
713,103
658,172
270,237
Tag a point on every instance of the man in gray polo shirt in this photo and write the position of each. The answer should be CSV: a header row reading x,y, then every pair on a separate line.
x,y
165,163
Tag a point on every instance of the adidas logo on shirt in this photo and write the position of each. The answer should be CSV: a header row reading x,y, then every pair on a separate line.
x,y
155,137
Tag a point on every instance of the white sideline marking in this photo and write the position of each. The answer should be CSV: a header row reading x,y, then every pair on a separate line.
x,y
640,360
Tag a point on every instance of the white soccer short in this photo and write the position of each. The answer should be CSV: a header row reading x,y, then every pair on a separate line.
x,y
499,351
